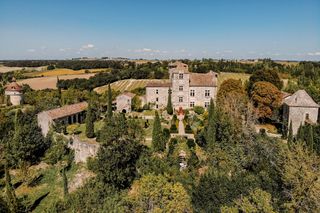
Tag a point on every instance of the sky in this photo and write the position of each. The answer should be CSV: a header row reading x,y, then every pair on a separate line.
x,y
162,29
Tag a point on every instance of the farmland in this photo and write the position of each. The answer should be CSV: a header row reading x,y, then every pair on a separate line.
x,y
62,71
127,85
229,75
50,81
4,69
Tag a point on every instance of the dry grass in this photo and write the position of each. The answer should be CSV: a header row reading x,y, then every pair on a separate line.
x,y
51,81
229,75
4,69
62,71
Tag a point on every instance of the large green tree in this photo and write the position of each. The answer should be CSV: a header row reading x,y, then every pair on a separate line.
x,y
268,75
89,122
169,104
210,135
109,114
158,142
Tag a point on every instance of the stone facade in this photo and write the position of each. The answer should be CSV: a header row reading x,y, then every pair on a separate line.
x,y
299,109
83,150
188,89
124,101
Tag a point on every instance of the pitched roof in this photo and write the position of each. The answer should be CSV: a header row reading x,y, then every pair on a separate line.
x,y
165,83
13,86
67,110
129,94
203,80
300,99
178,66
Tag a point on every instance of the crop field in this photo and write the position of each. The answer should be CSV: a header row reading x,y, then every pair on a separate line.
x,y
50,81
229,75
127,85
4,69
62,71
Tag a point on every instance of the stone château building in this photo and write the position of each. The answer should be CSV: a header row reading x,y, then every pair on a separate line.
x,y
187,89
124,102
299,108
14,91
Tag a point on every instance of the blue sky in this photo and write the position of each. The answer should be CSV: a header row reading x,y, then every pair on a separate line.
x,y
231,29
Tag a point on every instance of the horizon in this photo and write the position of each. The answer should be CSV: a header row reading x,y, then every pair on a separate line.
x,y
59,30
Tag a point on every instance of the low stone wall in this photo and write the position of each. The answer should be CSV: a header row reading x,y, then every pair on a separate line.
x,y
83,150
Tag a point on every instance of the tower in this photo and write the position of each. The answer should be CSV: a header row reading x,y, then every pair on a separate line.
x,y
14,91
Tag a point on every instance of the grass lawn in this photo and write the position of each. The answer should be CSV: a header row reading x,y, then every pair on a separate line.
x,y
80,129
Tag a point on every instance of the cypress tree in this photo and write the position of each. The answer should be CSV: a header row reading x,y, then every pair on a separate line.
x,y
65,181
169,104
309,139
157,137
290,135
89,122
11,196
109,102
300,133
211,128
59,91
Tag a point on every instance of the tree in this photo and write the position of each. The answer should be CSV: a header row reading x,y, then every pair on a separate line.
x,y
136,103
11,196
300,133
211,128
266,99
169,104
89,122
157,136
109,114
155,193
230,88
309,139
118,153
268,75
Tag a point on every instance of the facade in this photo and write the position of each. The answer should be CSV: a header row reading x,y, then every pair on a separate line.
x,y
14,91
299,109
187,89
123,102
68,114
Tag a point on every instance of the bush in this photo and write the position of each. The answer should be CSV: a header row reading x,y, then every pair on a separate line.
x,y
166,133
188,129
190,142
51,67
172,144
199,110
173,128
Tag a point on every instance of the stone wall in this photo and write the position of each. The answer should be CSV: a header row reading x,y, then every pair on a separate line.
x,y
176,93
298,116
162,96
123,103
83,150
199,98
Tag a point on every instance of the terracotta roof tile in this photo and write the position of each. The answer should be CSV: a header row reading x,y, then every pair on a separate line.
x,y
201,80
13,86
67,110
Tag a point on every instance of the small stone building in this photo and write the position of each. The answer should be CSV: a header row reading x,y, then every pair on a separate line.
x,y
68,114
14,91
123,102
299,108
187,89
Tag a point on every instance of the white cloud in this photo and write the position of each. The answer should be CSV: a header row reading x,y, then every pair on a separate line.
x,y
228,51
314,53
64,49
87,46
31,50
147,50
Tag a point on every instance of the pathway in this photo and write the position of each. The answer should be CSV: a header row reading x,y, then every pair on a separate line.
x,y
181,125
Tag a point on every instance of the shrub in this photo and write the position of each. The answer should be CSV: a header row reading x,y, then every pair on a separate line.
x,y
166,133
173,128
172,144
190,142
199,110
188,129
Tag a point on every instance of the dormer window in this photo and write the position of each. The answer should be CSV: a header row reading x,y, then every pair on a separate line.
x,y
180,76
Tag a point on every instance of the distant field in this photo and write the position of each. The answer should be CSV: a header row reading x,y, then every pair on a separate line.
x,y
4,69
229,75
50,81
127,85
62,71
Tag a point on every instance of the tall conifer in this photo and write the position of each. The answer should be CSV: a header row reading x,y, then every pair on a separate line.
x,y
290,135
109,102
169,104
89,122
211,128
157,137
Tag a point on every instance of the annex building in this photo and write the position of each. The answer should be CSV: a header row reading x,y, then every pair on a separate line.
x,y
187,89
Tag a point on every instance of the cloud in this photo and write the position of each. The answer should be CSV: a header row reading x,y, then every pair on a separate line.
x,y
148,50
87,46
31,50
64,49
313,53
228,51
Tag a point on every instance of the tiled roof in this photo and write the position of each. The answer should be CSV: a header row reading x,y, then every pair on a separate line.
x,y
67,110
13,86
300,99
129,94
203,80
178,66
159,84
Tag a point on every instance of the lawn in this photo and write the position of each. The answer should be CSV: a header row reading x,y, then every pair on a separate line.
x,y
80,129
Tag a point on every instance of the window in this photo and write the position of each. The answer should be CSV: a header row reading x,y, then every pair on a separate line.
x,y
206,104
180,99
192,93
191,104
307,116
157,91
180,76
180,88
157,106
207,93
157,99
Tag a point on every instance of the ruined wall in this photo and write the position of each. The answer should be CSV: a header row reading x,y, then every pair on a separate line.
x,y
83,150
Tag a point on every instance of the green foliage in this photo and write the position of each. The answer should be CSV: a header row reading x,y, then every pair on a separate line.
x,y
109,114
57,151
230,88
136,104
268,75
211,128
169,104
198,109
89,122
158,140
50,67
118,153
290,134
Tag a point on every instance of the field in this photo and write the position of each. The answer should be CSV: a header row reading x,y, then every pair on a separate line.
x,y
62,71
127,85
229,75
4,69
51,81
